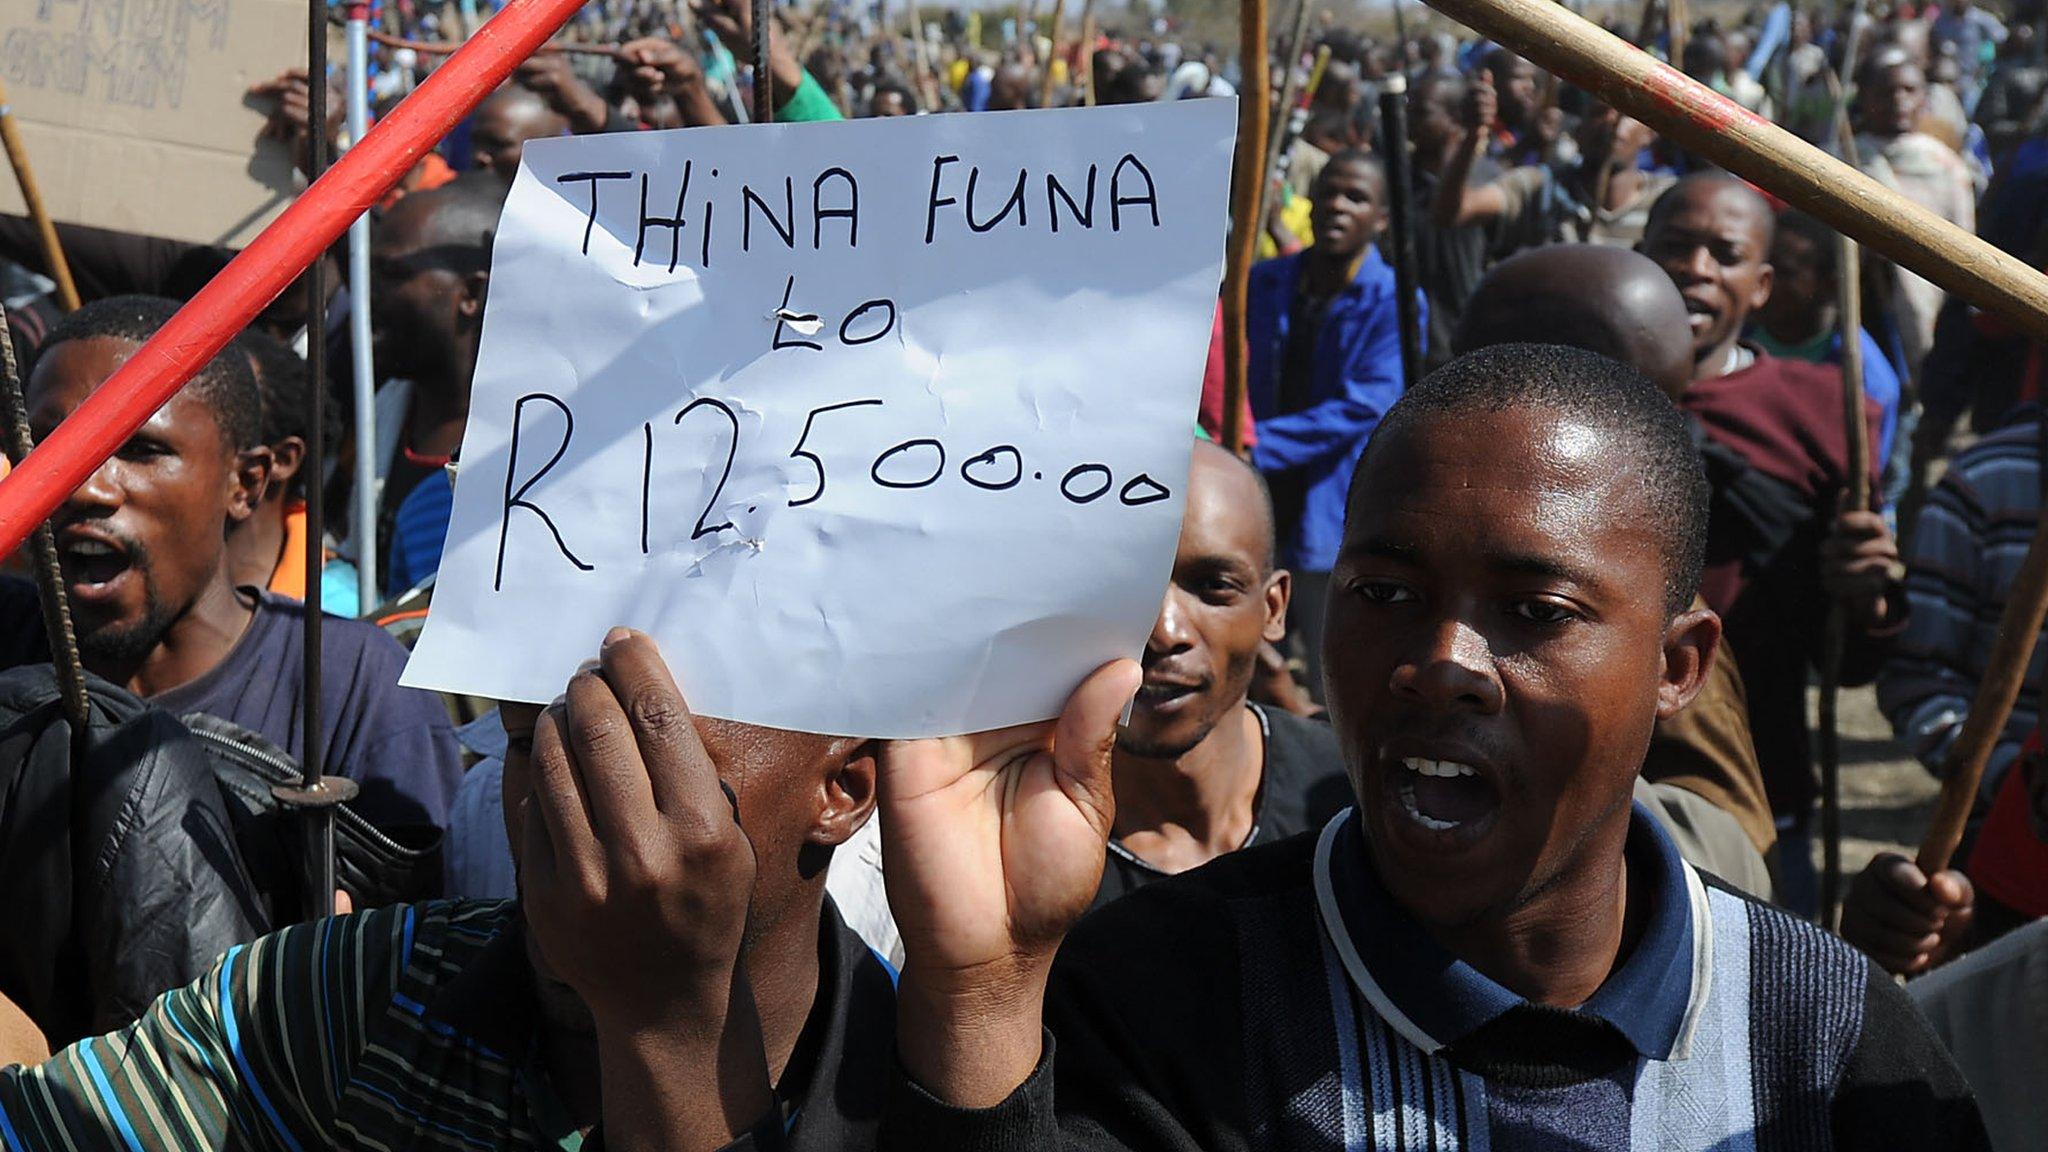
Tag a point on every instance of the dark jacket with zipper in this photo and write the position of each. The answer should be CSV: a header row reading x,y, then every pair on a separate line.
x,y
117,883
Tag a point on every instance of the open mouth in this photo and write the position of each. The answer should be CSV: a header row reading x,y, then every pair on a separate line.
x,y
92,566
1444,796
1699,316
1164,693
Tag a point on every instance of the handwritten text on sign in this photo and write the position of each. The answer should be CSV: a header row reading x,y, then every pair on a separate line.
x,y
879,427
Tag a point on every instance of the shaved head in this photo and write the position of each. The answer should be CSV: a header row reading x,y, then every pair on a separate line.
x,y
1600,298
504,122
1237,489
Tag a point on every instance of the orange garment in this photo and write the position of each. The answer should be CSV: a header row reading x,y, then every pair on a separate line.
x,y
289,577
431,172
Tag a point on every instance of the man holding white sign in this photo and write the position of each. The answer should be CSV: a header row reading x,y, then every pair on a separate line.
x,y
827,482
795,413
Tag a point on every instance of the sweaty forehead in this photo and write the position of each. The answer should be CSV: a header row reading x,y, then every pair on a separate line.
x,y
1722,208
1547,489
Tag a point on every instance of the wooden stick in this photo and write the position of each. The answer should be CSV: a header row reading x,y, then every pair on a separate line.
x,y
31,195
1680,31
1084,60
1401,221
1856,429
1290,88
1247,186
927,84
1276,123
2004,674
1052,53
1717,128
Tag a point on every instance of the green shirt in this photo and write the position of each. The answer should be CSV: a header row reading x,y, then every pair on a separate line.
x,y
808,103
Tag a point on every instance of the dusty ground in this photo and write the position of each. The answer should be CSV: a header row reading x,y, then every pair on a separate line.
x,y
1887,797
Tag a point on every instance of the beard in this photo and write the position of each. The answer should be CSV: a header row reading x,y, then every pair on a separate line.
x,y
1157,748
125,643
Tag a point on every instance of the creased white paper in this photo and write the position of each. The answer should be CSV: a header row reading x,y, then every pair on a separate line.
x,y
880,427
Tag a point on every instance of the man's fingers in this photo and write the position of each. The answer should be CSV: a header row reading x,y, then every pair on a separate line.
x,y
1087,729
682,777
1885,915
558,798
607,759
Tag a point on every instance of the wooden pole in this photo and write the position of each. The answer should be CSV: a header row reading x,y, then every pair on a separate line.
x,y
1276,125
1084,60
927,83
31,195
1680,31
1717,128
1052,53
1401,223
2005,673
1290,86
1247,187
1849,306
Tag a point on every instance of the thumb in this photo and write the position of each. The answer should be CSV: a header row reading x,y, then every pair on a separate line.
x,y
1486,77
1086,732
1950,887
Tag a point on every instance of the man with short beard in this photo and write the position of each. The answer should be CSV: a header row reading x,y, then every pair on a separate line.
x,y
1199,770
142,544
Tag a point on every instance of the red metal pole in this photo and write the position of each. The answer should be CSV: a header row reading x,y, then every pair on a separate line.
x,y
270,263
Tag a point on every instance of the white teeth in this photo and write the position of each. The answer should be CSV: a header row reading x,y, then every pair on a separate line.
x,y
90,548
1443,768
1407,793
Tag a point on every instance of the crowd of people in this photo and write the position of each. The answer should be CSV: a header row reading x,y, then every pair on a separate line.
x,y
1463,796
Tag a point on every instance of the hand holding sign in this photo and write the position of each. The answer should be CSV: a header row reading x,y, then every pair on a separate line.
x,y
882,425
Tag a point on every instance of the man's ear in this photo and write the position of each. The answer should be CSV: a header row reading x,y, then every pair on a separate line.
x,y
287,456
250,479
1765,278
475,287
846,797
1279,589
1691,642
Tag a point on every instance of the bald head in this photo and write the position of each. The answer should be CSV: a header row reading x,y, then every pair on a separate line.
x,y
1224,600
504,122
460,216
1231,496
1603,299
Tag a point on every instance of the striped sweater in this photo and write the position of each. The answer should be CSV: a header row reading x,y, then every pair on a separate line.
x,y
409,1028
1967,547
1273,1000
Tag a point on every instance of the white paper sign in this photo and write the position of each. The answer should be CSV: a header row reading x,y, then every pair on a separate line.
x,y
880,427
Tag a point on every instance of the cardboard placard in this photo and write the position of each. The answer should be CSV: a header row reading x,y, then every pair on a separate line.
x,y
134,115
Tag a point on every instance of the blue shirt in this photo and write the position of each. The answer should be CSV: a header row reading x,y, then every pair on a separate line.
x,y
1433,999
1355,378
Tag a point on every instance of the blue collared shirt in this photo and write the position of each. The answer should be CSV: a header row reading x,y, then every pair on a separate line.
x,y
1355,378
1435,999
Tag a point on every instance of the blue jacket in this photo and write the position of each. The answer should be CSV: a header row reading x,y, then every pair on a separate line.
x,y
1357,377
